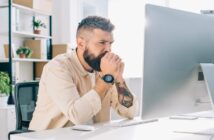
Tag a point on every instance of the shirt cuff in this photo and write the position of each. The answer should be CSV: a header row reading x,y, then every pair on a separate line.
x,y
94,100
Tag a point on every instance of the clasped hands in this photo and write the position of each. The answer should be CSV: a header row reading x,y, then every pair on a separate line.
x,y
112,64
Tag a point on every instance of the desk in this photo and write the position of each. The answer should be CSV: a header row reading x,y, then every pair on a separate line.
x,y
163,129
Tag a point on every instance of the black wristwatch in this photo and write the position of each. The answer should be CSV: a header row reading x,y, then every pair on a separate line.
x,y
108,78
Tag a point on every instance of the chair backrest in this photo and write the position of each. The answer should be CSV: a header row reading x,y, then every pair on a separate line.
x,y
25,102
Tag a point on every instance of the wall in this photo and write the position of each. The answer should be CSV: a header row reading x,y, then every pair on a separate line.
x,y
67,14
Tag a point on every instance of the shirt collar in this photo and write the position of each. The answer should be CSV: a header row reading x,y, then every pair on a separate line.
x,y
81,71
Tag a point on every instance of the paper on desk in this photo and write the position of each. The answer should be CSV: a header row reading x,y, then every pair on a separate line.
x,y
200,127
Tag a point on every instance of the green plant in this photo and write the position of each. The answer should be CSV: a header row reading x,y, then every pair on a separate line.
x,y
38,23
24,50
4,83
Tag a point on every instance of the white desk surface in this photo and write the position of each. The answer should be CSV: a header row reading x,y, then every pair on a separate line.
x,y
164,129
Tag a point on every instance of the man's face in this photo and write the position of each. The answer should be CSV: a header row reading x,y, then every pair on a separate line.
x,y
97,46
93,61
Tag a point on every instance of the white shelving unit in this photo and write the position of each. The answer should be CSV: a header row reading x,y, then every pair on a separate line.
x,y
16,33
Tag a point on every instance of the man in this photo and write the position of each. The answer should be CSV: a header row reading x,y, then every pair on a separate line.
x,y
81,86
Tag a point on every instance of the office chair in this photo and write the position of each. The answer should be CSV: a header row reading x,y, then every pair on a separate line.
x,y
25,102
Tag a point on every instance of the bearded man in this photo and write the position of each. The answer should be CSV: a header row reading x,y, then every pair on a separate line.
x,y
81,86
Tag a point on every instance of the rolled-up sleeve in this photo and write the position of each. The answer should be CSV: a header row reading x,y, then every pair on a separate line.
x,y
122,110
62,90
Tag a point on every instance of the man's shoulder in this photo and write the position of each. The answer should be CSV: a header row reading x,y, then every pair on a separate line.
x,y
62,58
60,61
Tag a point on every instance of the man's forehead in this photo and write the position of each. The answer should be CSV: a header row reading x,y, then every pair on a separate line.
x,y
103,35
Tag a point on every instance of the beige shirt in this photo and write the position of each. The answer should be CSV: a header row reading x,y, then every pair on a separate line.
x,y
66,96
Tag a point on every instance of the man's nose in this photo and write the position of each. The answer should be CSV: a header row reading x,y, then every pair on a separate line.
x,y
108,47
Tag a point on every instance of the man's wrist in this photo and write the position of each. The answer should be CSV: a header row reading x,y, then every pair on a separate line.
x,y
107,78
101,87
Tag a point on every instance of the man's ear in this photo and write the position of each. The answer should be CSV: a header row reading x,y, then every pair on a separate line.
x,y
81,43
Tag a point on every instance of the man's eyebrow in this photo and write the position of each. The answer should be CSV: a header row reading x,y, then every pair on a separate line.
x,y
102,40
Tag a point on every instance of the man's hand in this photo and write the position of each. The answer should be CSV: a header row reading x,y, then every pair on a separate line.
x,y
112,64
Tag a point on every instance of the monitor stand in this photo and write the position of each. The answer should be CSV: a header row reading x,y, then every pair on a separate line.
x,y
208,72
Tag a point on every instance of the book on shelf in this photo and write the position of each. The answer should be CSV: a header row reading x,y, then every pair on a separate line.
x,y
13,51
4,19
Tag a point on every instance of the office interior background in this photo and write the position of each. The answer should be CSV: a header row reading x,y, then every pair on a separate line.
x,y
127,16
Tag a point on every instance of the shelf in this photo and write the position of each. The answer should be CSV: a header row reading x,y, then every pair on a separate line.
x,y
32,11
27,9
29,35
4,60
29,60
3,5
24,60
26,35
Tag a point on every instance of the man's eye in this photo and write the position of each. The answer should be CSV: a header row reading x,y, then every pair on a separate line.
x,y
103,43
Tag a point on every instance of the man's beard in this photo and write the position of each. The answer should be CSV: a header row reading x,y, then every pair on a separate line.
x,y
92,61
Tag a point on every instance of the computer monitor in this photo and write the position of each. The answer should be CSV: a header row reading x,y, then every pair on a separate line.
x,y
176,42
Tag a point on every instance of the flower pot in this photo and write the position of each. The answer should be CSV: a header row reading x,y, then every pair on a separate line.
x,y
22,56
3,100
36,31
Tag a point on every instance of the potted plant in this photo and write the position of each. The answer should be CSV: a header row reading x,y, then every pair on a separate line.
x,y
37,24
24,52
4,88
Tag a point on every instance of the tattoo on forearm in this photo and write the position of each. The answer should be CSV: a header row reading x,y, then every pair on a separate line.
x,y
124,95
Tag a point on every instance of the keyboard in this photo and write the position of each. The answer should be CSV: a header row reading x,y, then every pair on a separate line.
x,y
83,127
124,123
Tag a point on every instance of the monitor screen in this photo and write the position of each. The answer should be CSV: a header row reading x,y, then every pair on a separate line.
x,y
176,42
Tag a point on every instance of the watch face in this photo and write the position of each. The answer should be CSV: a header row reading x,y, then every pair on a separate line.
x,y
108,78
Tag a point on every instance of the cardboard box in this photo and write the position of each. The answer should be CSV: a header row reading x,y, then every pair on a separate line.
x,y
39,48
27,3
60,49
39,69
41,5
6,51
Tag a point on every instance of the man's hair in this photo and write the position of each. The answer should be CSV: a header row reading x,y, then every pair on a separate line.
x,y
94,22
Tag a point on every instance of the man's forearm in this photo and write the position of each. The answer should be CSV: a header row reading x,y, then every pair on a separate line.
x,y
124,95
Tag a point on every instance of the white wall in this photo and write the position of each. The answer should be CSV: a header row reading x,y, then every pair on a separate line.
x,y
128,18
61,24
68,13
